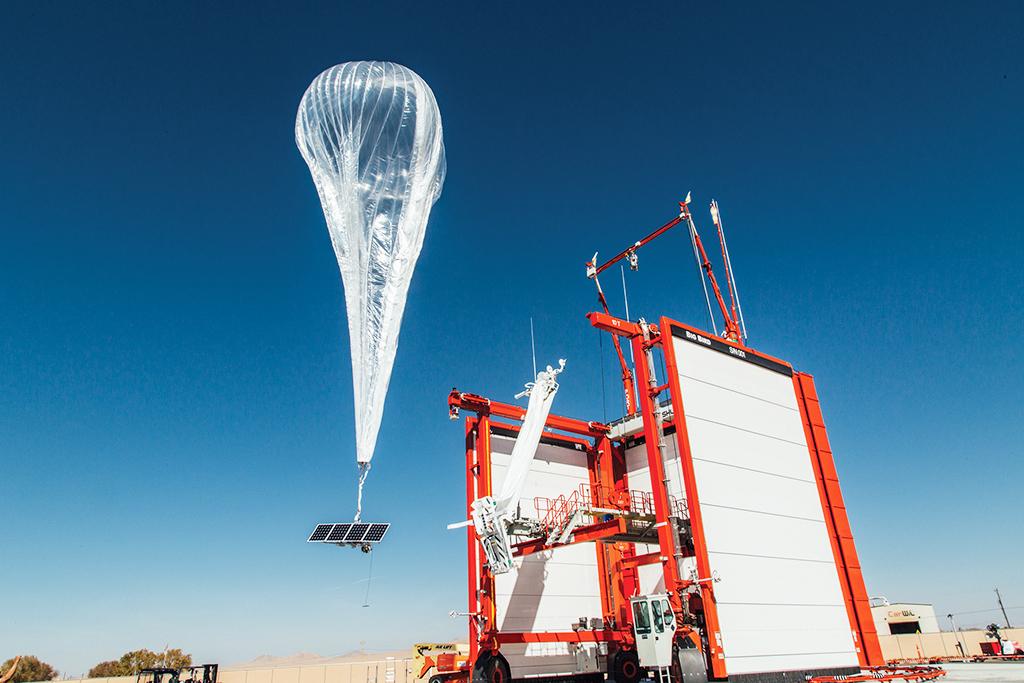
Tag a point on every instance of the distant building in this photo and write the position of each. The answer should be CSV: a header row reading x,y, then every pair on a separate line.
x,y
898,618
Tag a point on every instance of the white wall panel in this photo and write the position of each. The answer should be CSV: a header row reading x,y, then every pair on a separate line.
x,y
546,591
650,576
750,580
796,661
721,405
723,370
728,486
638,473
780,604
750,450
740,533
539,659
781,617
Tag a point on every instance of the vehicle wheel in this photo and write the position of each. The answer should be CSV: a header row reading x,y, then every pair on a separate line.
x,y
688,665
491,668
436,679
625,667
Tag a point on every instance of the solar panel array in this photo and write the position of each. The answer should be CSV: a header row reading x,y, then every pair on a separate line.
x,y
357,533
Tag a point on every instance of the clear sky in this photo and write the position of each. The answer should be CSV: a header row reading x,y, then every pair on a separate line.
x,y
175,391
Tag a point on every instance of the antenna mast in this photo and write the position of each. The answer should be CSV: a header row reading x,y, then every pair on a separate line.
x,y
730,277
732,327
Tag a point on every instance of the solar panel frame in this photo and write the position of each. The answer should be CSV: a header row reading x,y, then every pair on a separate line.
x,y
349,533
320,533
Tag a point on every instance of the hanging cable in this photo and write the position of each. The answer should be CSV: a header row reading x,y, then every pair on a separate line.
x,y
700,272
716,214
604,399
664,368
369,580
625,298
625,295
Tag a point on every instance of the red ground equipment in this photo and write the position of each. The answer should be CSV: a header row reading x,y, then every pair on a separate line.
x,y
707,523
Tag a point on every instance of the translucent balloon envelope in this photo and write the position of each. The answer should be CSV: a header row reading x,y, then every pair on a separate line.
x,y
371,135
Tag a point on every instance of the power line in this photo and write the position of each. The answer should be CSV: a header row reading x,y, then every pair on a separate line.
x,y
980,611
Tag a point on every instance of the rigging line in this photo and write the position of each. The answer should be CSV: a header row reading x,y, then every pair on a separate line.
x,y
625,297
664,372
732,276
604,399
700,272
632,359
369,580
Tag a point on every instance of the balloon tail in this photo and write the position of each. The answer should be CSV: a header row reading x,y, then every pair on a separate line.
x,y
364,470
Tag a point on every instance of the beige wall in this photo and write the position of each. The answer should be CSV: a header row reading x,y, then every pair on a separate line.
x,y
385,671
926,645
901,612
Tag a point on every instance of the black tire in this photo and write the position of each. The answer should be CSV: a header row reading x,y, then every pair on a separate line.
x,y
625,667
491,668
436,679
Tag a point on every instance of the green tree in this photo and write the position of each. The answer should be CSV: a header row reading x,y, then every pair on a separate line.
x,y
105,669
174,659
29,669
131,663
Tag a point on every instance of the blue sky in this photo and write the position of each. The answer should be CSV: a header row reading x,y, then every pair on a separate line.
x,y
175,392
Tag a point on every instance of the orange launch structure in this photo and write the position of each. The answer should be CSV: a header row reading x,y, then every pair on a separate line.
x,y
702,536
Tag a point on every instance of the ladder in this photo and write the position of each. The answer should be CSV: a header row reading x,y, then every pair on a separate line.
x,y
562,533
663,674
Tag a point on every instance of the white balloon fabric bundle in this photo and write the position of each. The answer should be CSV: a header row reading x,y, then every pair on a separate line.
x,y
371,135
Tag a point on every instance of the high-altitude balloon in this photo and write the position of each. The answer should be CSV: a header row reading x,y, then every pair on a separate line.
x,y
371,135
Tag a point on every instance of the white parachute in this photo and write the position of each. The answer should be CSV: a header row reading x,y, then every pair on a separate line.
x,y
371,135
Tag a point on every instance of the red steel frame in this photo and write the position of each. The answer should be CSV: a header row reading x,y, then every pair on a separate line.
x,y
715,652
838,525
869,651
617,562
483,631
674,583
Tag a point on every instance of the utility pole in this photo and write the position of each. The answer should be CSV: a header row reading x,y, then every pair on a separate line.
x,y
959,636
999,599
